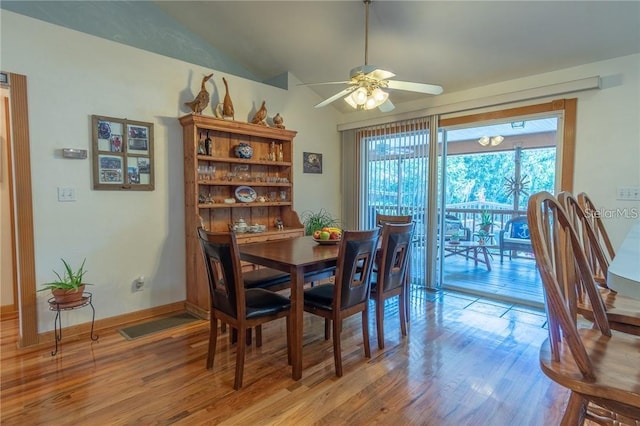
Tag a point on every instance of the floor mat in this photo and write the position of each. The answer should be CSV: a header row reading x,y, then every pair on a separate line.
x,y
144,329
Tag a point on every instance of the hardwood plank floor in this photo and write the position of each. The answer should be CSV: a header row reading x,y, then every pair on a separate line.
x,y
466,361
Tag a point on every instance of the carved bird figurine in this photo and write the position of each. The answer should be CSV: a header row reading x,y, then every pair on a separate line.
x,y
202,99
278,121
260,116
225,108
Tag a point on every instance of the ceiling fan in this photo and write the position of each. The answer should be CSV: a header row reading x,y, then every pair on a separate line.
x,y
366,83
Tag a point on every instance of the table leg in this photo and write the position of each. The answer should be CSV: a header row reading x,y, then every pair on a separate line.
x,y
297,310
485,252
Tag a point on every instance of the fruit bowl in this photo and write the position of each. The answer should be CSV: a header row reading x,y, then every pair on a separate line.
x,y
326,242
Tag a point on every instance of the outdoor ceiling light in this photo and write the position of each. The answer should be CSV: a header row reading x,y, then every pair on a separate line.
x,y
493,141
496,140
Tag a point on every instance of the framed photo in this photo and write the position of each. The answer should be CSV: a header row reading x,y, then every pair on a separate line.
x,y
110,169
122,154
311,162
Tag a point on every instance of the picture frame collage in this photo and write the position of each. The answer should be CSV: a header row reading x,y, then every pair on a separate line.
x,y
122,154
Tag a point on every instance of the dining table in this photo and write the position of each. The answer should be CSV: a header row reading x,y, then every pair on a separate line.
x,y
297,256
624,271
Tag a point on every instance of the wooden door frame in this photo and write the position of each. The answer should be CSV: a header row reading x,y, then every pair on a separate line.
x,y
23,207
568,106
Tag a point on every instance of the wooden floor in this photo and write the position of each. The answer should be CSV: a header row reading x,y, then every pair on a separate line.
x,y
466,361
516,280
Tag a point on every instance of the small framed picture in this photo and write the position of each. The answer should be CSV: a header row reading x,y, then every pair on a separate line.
x,y
311,162
122,154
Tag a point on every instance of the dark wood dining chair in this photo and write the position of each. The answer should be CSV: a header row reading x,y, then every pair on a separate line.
x,y
231,303
390,280
381,219
599,366
350,293
623,312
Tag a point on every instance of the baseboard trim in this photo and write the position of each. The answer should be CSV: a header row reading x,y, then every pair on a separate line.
x,y
196,310
8,312
83,330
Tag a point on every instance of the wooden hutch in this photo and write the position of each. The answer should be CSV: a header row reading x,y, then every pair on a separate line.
x,y
221,189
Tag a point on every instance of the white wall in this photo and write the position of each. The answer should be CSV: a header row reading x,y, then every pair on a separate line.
x,y
72,75
123,235
607,134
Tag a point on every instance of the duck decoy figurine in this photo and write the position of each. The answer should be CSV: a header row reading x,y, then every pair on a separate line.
x,y
260,116
278,121
202,99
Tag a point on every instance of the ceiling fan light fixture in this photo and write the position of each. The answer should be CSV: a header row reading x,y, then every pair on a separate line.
x,y
379,95
349,99
359,96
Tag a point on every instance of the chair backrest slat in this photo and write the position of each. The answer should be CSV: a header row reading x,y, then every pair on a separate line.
x,y
595,217
591,243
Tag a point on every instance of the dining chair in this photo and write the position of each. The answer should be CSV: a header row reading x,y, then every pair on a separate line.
x,y
349,294
598,366
595,218
381,219
385,218
390,280
231,303
623,312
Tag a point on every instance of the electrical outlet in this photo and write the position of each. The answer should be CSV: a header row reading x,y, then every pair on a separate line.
x,y
629,193
66,193
138,284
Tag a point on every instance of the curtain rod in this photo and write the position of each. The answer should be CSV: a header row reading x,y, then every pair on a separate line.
x,y
556,89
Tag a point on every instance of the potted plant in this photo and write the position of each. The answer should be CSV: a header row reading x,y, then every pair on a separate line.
x,y
482,236
485,221
455,238
315,221
69,286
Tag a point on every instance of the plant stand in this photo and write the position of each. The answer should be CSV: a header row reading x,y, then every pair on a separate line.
x,y
58,307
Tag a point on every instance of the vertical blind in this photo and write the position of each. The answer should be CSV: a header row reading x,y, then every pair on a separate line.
x,y
394,179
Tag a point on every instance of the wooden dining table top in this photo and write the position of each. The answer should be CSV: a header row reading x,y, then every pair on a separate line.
x,y
302,252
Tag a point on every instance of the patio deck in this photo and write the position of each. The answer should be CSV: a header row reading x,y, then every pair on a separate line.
x,y
515,281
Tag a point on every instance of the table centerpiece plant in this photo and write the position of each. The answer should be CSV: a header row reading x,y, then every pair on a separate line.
x,y
315,221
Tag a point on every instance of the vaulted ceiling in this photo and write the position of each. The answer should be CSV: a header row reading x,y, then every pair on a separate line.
x,y
455,44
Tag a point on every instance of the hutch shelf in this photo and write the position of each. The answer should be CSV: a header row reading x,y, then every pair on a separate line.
x,y
222,189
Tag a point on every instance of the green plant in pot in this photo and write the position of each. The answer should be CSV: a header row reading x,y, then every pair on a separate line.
x,y
69,286
486,220
315,221
482,236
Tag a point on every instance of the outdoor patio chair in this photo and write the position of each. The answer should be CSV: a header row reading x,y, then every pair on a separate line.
x,y
515,237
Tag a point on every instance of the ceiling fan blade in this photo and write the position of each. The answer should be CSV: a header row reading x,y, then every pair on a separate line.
x,y
386,106
379,74
326,82
336,96
431,89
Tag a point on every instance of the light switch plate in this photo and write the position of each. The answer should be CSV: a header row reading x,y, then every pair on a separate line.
x,y
66,193
629,193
